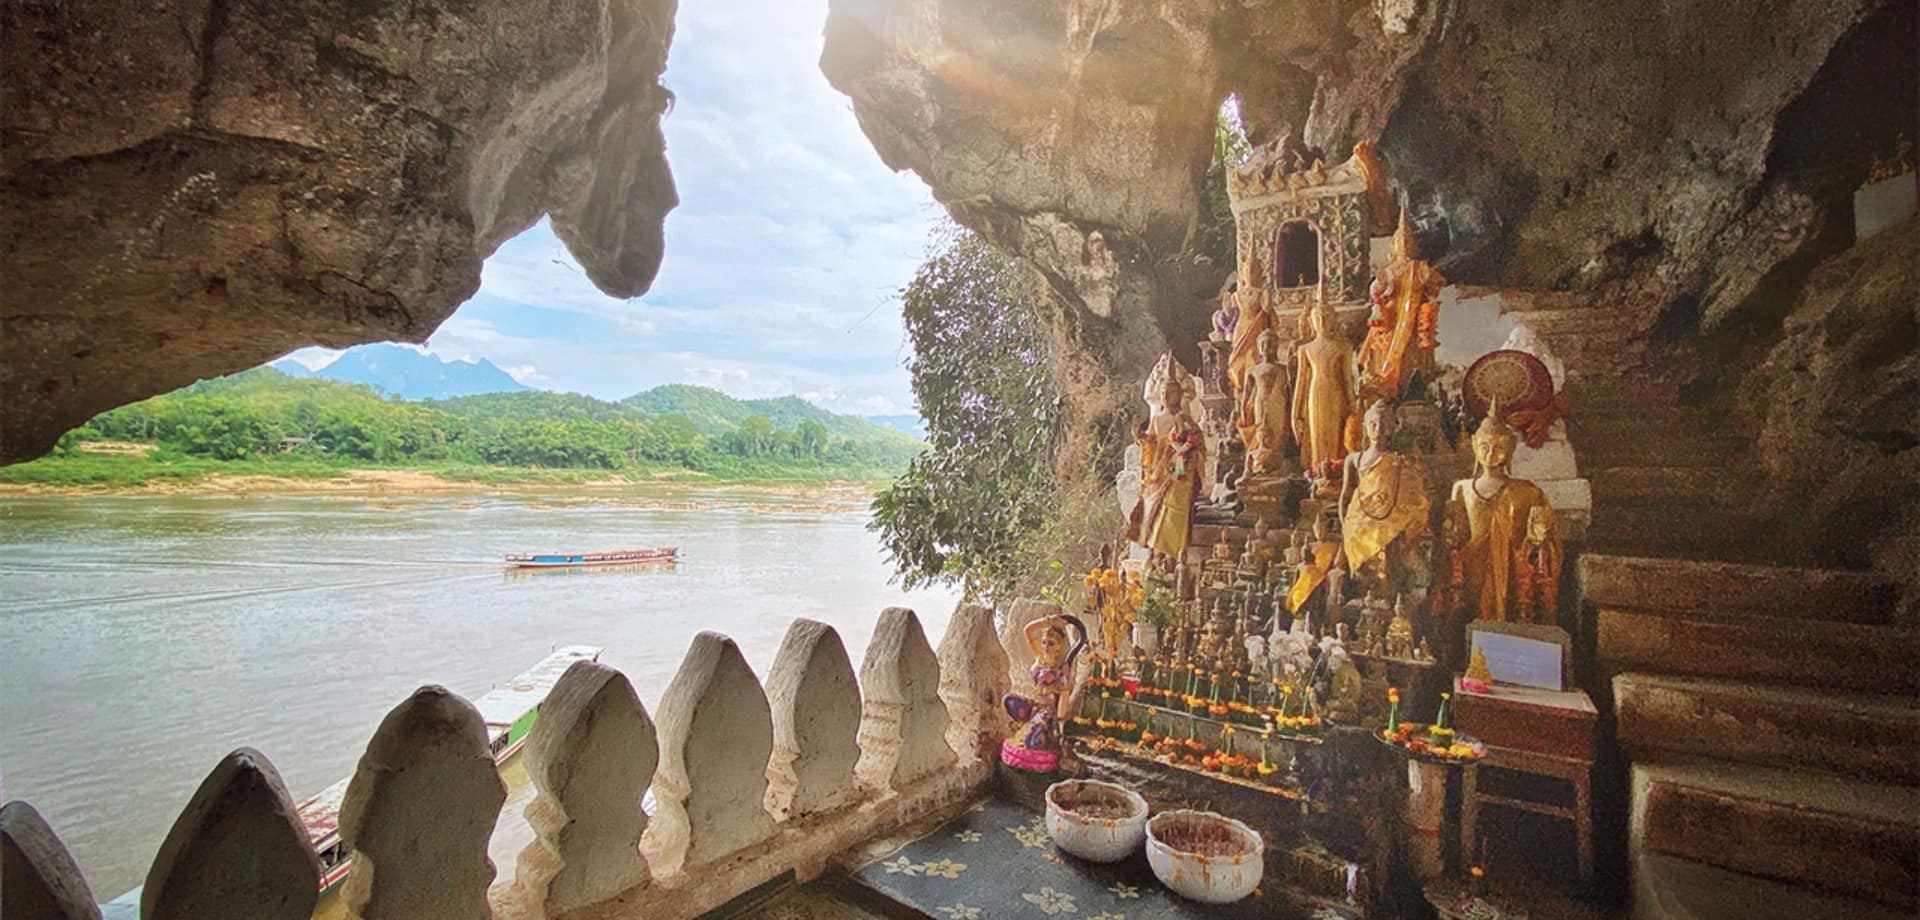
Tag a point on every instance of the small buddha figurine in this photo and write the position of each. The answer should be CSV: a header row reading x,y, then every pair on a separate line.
x,y
1499,509
1035,745
1343,703
1317,564
1536,573
1263,408
1400,631
1172,456
1253,315
1323,391
1296,549
1383,501
1401,334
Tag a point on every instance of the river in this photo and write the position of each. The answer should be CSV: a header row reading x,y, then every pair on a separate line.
x,y
144,637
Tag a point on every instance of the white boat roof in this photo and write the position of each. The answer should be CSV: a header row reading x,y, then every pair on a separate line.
x,y
506,703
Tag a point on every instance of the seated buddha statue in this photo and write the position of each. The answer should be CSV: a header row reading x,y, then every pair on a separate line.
x,y
1383,505
1499,562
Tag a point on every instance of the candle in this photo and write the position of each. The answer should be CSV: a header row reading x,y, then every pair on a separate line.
x,y
1393,711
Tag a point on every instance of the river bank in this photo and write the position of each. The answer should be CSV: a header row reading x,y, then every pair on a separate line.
x,y
138,475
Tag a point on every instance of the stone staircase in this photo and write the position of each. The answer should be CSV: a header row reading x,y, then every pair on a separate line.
x,y
1772,720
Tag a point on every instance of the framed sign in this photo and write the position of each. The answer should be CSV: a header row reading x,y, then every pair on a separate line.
x,y
1530,656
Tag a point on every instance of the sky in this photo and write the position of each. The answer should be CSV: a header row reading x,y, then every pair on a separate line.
x,y
782,261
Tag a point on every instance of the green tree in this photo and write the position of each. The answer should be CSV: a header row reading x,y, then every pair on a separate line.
x,y
982,375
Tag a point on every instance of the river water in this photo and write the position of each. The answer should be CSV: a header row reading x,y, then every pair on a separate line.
x,y
143,637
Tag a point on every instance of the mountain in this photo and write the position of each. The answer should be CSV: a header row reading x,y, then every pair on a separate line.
x,y
911,424
408,374
291,368
715,413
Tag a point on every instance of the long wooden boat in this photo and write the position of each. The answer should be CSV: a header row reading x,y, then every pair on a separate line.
x,y
610,557
509,711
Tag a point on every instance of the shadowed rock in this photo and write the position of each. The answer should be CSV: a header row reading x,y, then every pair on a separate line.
x,y
238,850
591,756
716,734
973,678
903,724
419,812
37,876
816,719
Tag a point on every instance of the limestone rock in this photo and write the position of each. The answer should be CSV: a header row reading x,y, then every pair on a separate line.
x,y
591,756
716,736
903,723
238,851
37,874
419,812
816,719
973,679
190,188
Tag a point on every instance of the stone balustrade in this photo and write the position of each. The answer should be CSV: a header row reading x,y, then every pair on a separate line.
x,y
750,785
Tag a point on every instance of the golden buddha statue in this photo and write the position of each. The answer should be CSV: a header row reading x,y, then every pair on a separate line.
x,y
1383,501
1172,456
1254,315
1501,513
1403,331
1263,412
1323,393
1321,558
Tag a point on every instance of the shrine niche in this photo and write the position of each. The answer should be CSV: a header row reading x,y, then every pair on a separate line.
x,y
1297,255
1311,221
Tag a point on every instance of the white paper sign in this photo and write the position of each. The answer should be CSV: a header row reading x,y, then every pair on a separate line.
x,y
1518,660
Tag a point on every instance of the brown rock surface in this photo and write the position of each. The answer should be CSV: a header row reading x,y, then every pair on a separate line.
x,y
191,187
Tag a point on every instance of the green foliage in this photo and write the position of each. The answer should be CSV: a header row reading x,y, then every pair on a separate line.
x,y
984,382
1230,147
265,416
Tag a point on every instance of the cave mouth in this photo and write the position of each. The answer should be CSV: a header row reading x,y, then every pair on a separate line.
x,y
1297,254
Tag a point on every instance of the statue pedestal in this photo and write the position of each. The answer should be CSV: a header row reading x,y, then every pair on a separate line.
x,y
1552,467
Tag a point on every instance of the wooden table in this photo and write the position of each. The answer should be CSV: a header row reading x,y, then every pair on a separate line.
x,y
1539,732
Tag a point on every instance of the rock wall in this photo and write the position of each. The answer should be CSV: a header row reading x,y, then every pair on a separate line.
x,y
190,187
1677,167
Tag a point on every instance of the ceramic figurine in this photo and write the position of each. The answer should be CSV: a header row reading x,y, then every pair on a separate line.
x,y
1499,512
1035,746
1402,332
1263,407
1228,316
1383,504
1172,456
1323,391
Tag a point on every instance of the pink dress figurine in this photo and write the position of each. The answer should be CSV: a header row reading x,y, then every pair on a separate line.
x,y
1035,744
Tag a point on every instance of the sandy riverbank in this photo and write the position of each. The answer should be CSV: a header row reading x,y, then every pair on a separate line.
x,y
396,483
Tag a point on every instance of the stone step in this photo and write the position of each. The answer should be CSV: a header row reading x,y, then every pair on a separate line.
x,y
1869,736
1601,447
1778,650
1691,530
1657,485
1708,589
1838,835
1668,888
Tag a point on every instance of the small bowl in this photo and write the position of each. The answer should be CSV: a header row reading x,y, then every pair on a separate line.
x,y
1209,879
1096,837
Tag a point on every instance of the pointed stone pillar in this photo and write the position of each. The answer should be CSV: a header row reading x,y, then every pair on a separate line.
x,y
1013,638
716,735
816,721
419,811
37,876
973,679
903,724
237,852
591,756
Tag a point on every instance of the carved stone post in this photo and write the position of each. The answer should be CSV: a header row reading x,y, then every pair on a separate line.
x,y
238,850
816,720
1013,638
419,811
37,874
591,756
903,724
973,679
716,734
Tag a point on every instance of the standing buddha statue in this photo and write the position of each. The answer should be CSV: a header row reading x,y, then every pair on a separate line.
x,y
1499,510
1263,410
1172,455
1323,393
1383,503
1403,330
1253,314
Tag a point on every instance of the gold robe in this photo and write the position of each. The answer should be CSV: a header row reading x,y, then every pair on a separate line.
x,y
1390,500
1313,577
1162,522
1499,528
1323,397
1402,339
1256,316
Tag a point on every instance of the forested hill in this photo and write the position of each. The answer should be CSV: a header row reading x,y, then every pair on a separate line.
x,y
265,415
